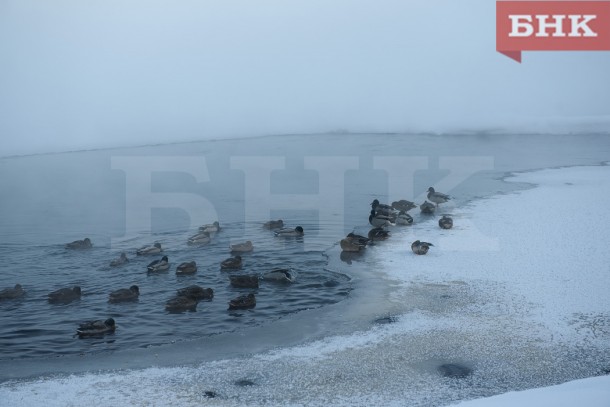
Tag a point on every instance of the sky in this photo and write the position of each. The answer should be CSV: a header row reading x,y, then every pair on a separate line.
x,y
86,74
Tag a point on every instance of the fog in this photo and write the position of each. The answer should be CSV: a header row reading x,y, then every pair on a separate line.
x,y
78,75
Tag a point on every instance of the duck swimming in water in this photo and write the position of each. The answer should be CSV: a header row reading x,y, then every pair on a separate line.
x,y
120,261
213,228
96,328
445,222
242,247
298,231
231,263
65,295
200,239
154,249
158,265
274,224
80,244
196,292
186,268
281,275
12,293
243,302
181,303
437,197
124,294
420,247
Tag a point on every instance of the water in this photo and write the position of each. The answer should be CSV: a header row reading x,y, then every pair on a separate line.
x,y
49,200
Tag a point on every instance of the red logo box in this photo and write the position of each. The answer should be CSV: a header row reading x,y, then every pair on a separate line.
x,y
552,26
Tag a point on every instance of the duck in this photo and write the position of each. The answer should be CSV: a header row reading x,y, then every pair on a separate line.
x,y
427,208
154,249
186,268
181,303
65,295
244,281
349,245
404,218
231,263
378,234
274,224
158,265
200,239
196,292
287,232
420,247
243,302
380,208
80,244
213,228
96,328
12,293
281,275
445,222
437,197
124,294
119,261
379,221
403,205
358,238
242,247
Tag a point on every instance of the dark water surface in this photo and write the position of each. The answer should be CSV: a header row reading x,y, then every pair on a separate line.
x,y
49,200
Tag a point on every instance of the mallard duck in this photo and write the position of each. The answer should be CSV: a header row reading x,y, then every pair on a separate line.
x,y
274,224
120,261
349,245
281,275
379,221
96,328
403,205
181,303
243,302
12,293
380,208
242,247
244,281
404,218
65,295
298,231
437,197
124,294
213,228
231,263
200,239
420,247
378,234
158,265
427,208
186,268
445,222
154,249
80,244
196,292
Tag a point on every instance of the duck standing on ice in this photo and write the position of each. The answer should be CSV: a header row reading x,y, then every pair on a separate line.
x,y
437,197
420,247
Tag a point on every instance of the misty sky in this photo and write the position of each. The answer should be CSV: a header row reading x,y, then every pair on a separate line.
x,y
82,74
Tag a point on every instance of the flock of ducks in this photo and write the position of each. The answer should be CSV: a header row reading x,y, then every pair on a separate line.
x,y
186,299
380,217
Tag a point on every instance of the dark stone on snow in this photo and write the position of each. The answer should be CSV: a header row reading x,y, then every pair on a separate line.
x,y
454,370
